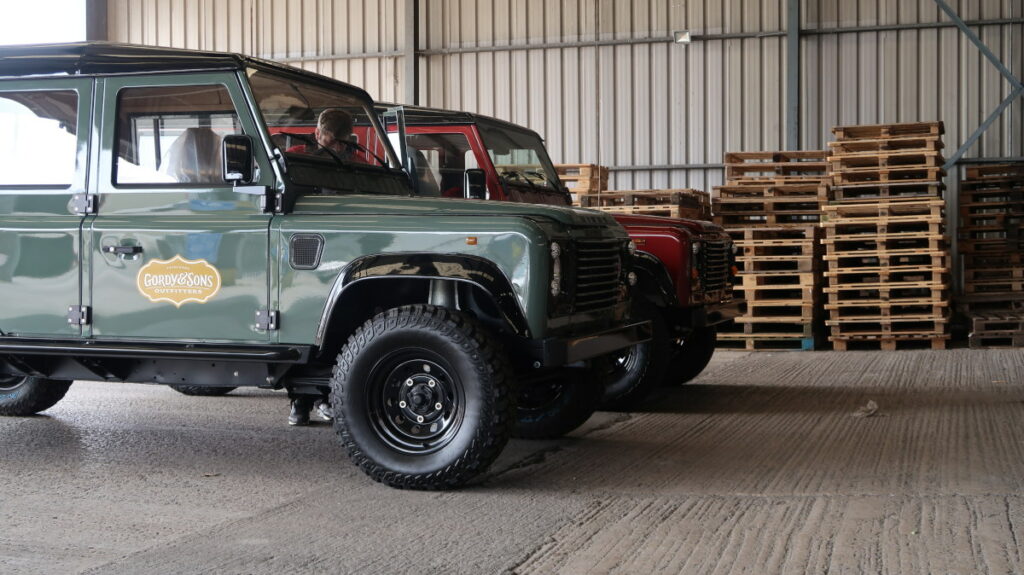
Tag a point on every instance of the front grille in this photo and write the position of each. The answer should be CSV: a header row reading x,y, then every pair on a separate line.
x,y
598,266
713,265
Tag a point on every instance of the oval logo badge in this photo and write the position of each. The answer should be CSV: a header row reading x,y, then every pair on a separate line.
x,y
178,280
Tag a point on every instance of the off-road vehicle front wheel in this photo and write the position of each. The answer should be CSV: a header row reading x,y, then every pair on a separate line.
x,y
422,398
637,371
559,403
22,395
691,355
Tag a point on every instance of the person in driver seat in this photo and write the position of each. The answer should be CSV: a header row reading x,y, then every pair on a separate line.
x,y
333,130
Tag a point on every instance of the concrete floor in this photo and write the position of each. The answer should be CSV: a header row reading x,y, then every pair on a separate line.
x,y
761,466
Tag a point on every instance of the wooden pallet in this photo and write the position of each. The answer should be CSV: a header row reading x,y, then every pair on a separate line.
x,y
694,204
851,343
767,218
876,146
888,131
984,261
886,175
988,340
993,274
886,191
773,166
894,159
998,171
763,191
910,209
852,230
581,171
994,286
997,321
665,211
740,342
979,303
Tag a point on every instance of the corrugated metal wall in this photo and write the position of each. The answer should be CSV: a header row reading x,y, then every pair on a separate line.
x,y
640,104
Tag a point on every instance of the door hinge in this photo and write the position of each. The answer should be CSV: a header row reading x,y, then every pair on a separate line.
x,y
267,319
79,315
83,204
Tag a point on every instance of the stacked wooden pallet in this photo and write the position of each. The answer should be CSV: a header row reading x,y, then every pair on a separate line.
x,y
770,206
885,244
780,283
992,249
683,203
582,179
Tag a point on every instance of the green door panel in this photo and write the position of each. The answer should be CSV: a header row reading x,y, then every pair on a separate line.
x,y
194,258
40,235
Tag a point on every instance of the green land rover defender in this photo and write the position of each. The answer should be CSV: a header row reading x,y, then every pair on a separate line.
x,y
153,229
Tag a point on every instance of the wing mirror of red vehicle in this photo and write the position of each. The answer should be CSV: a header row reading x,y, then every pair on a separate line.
x,y
236,151
476,184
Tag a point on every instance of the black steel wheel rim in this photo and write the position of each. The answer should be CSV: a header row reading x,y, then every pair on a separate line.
x,y
416,401
540,397
11,382
626,361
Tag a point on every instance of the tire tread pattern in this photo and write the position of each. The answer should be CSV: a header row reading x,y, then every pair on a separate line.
x,y
492,367
33,396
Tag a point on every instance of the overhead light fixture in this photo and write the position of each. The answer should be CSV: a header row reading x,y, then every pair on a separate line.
x,y
681,36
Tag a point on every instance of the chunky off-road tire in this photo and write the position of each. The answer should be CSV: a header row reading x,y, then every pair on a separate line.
x,y
29,395
639,370
202,390
559,403
422,398
691,356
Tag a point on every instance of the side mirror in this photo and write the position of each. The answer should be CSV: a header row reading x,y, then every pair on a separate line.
x,y
476,185
238,164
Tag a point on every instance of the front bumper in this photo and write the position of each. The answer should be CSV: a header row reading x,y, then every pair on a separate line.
x,y
560,351
689,319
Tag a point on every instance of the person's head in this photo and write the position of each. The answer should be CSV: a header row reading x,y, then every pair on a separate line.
x,y
333,128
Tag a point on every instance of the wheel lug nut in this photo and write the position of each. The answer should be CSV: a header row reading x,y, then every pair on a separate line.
x,y
431,383
401,404
408,383
438,406
419,419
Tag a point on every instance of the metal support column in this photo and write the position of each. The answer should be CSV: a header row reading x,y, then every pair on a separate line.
x,y
793,75
96,20
1018,88
411,41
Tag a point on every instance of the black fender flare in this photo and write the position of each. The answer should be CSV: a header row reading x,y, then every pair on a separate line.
x,y
653,281
473,270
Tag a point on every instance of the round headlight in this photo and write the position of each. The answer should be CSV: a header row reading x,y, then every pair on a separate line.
x,y
696,248
556,250
631,278
631,246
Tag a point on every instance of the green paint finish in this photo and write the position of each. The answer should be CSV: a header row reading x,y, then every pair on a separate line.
x,y
40,235
519,251
203,223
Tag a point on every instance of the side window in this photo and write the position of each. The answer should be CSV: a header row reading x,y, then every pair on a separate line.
x,y
39,140
172,134
441,161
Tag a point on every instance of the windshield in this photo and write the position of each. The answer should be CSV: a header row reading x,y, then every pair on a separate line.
x,y
519,157
323,130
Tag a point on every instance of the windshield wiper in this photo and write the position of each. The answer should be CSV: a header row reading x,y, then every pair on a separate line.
x,y
359,146
311,140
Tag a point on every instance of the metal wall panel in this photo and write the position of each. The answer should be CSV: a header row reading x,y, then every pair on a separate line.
x,y
652,105
325,36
